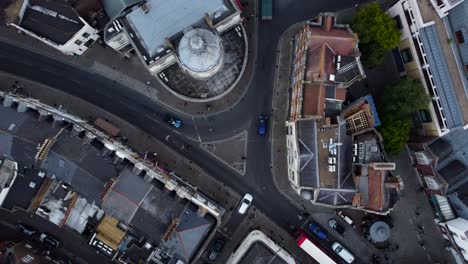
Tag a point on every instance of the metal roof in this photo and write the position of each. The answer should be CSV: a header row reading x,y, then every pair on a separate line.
x,y
158,19
200,50
114,8
441,76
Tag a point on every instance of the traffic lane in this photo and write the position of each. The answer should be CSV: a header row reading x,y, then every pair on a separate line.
x,y
95,89
132,113
70,240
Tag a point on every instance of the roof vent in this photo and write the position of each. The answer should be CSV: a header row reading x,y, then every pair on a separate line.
x,y
145,8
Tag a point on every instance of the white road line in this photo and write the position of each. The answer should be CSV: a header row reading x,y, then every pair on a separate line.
x,y
411,222
196,129
429,257
129,106
152,118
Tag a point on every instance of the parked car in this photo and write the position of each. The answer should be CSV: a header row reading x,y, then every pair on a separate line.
x,y
342,252
216,249
49,241
314,228
245,203
335,225
25,229
173,121
262,125
346,218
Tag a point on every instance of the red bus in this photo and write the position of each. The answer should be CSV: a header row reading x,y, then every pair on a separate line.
x,y
313,250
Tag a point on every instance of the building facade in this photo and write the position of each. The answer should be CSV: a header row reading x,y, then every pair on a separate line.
x,y
427,53
56,24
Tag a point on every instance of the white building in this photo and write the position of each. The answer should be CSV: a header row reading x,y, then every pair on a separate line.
x,y
456,232
163,33
8,172
56,24
427,53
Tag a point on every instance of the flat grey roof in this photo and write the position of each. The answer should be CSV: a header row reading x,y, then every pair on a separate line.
x,y
259,253
164,19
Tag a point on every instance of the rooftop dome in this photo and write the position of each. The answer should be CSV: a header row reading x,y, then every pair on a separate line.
x,y
201,52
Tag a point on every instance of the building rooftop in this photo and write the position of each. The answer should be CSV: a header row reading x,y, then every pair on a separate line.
x,y
114,8
55,20
234,50
172,18
258,252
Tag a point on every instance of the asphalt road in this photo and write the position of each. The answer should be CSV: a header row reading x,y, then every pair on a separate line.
x,y
146,114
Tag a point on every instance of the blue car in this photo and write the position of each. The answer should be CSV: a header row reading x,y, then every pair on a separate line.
x,y
175,122
314,228
262,124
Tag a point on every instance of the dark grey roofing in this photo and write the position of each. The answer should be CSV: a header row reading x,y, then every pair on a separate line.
x,y
307,141
190,233
333,108
345,158
350,68
454,172
441,148
363,187
114,8
21,194
259,253
458,17
330,91
441,76
53,20
335,197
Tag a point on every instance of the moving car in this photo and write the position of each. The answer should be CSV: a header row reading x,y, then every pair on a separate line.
x,y
342,252
314,228
262,124
49,241
25,229
216,249
245,203
335,225
173,121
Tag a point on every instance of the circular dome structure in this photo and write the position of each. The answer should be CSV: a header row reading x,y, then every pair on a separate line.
x,y
379,232
201,53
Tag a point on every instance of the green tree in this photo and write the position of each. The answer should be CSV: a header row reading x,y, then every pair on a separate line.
x,y
395,133
373,24
372,54
404,98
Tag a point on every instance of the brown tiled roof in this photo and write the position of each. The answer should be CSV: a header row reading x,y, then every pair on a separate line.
x,y
314,100
340,94
319,63
341,41
376,190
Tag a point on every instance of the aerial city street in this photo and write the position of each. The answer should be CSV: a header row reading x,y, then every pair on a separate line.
x,y
233,131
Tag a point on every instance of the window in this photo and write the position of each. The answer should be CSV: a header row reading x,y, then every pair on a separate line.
x,y
406,55
459,37
422,158
85,35
398,22
425,116
78,42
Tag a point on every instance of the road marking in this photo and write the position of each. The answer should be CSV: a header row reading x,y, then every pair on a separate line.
x,y
129,106
152,118
196,129
411,222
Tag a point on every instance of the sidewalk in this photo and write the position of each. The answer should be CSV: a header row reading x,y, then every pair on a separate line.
x,y
132,73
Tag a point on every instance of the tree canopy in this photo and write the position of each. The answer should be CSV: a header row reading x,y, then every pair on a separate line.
x,y
395,133
404,98
373,24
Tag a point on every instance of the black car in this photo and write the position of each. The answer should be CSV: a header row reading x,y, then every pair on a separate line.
x,y
335,225
215,250
49,241
25,229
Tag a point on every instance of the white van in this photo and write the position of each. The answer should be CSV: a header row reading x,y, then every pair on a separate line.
x,y
342,252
